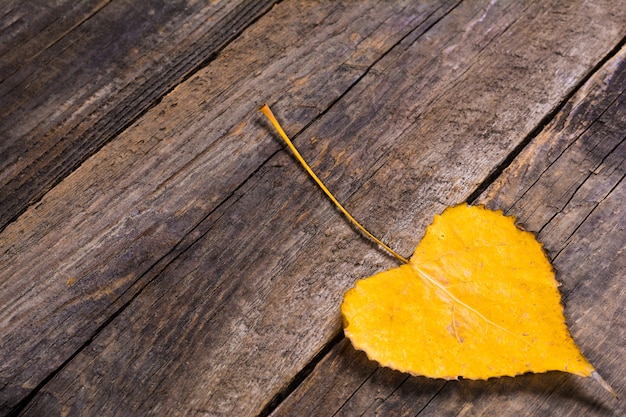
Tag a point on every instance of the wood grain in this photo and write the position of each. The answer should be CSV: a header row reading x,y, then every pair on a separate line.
x,y
70,262
250,292
567,185
83,71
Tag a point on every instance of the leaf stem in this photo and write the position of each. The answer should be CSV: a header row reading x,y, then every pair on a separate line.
x,y
268,113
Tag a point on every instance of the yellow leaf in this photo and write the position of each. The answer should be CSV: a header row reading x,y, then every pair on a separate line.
x,y
478,299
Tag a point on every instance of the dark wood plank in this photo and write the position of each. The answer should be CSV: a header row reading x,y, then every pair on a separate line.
x,y
29,28
74,74
73,260
568,185
229,322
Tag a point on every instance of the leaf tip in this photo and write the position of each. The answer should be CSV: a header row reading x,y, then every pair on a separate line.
x,y
595,375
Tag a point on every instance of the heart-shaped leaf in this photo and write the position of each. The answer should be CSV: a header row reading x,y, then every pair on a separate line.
x,y
478,299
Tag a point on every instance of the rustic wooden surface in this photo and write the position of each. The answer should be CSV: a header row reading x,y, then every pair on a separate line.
x,y
161,254
74,74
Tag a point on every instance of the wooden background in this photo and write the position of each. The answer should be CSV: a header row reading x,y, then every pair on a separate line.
x,y
162,254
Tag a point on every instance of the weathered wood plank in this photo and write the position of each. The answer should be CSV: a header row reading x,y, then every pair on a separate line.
x,y
232,319
29,28
74,259
568,185
74,74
